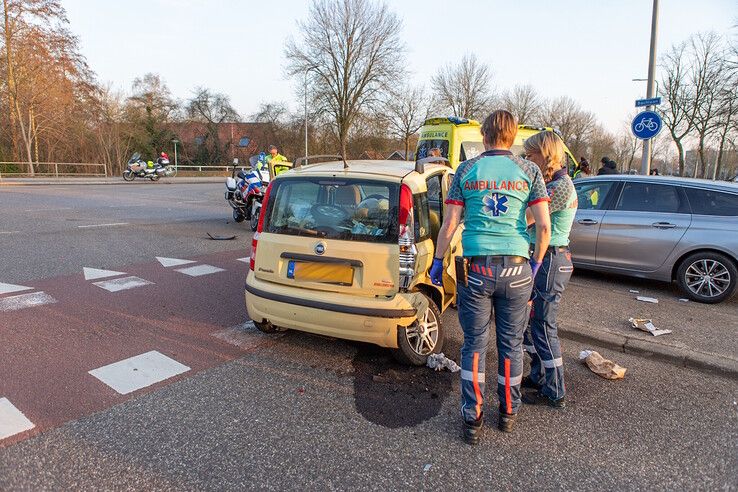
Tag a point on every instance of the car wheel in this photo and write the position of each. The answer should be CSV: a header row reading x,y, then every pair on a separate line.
x,y
422,338
707,277
266,327
238,216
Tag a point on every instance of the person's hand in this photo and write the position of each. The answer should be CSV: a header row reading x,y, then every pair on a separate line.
x,y
534,266
436,272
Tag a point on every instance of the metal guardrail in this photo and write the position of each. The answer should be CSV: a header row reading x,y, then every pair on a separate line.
x,y
207,168
56,169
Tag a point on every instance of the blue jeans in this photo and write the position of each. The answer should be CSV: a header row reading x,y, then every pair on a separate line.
x,y
503,290
541,338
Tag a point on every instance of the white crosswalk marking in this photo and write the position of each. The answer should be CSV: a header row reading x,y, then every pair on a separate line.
x,y
169,262
94,273
134,373
124,283
8,288
200,270
12,420
23,301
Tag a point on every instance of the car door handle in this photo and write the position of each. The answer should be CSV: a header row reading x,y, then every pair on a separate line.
x,y
663,225
587,222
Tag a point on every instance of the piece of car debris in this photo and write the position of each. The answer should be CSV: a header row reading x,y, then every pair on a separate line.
x,y
602,367
439,362
683,300
221,238
648,299
647,326
634,291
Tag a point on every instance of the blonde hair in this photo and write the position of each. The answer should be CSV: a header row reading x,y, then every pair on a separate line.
x,y
500,128
550,146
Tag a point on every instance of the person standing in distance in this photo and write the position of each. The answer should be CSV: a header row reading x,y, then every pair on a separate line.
x,y
541,339
493,191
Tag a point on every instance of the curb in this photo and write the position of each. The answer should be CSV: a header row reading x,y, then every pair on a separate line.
x,y
701,361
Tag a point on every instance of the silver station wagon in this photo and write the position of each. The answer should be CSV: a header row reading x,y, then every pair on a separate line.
x,y
661,228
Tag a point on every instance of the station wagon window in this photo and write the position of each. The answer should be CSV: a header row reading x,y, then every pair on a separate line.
x,y
425,145
650,197
591,196
711,202
344,209
420,208
435,205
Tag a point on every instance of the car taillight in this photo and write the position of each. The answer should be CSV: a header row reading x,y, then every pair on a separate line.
x,y
260,227
406,237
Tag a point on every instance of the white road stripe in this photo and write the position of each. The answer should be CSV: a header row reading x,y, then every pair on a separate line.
x,y
8,288
134,373
244,260
9,232
200,270
103,225
124,283
12,420
169,262
14,303
94,273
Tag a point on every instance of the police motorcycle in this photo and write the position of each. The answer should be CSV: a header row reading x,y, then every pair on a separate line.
x,y
138,168
245,190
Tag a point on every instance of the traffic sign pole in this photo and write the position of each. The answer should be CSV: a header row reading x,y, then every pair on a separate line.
x,y
646,158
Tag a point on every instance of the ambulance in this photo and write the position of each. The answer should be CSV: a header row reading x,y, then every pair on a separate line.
x,y
460,139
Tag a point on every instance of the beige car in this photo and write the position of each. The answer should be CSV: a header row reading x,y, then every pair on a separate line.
x,y
343,250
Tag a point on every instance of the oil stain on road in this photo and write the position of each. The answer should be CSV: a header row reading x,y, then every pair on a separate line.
x,y
392,395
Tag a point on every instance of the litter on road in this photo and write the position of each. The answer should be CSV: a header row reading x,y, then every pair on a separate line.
x,y
647,326
634,291
439,362
220,238
683,300
601,366
652,300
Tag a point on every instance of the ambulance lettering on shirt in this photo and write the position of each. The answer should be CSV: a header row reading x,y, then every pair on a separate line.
x,y
517,185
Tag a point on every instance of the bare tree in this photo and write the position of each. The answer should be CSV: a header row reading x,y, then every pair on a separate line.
x,y
626,147
706,80
405,111
678,112
151,108
464,89
523,102
353,53
575,124
212,109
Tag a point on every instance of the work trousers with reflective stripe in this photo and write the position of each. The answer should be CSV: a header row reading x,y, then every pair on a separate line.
x,y
542,338
503,290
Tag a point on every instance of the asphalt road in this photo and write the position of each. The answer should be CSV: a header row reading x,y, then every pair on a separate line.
x,y
293,410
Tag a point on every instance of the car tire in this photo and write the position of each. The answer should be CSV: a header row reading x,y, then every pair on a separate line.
x,y
410,338
723,271
266,327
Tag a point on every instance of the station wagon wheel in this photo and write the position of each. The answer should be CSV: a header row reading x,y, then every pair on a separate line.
x,y
707,277
424,337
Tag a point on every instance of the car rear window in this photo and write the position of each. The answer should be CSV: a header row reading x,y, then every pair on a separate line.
x,y
331,208
425,145
711,202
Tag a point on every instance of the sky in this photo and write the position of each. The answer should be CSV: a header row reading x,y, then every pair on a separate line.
x,y
587,49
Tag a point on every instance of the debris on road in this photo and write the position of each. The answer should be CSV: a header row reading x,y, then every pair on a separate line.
x,y
427,468
647,326
634,291
601,366
220,238
439,362
652,300
683,300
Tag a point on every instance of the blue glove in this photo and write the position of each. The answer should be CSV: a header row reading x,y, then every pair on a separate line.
x,y
534,266
436,272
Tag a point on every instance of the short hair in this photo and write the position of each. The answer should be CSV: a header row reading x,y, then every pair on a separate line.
x,y
605,159
434,150
273,147
500,128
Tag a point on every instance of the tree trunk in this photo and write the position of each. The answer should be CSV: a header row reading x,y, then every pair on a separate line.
x,y
718,160
10,75
407,146
680,152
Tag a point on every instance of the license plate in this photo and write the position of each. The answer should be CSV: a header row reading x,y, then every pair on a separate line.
x,y
320,272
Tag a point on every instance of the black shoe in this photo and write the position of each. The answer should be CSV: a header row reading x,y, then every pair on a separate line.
x,y
472,431
539,399
506,421
527,382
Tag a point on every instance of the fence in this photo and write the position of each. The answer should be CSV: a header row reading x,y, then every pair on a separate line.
x,y
55,169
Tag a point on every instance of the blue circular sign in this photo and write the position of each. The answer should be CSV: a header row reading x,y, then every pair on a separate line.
x,y
646,124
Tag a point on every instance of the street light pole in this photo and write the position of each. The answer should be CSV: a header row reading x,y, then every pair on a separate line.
x,y
175,142
646,157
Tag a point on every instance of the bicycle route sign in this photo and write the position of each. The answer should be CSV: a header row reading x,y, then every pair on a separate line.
x,y
646,124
